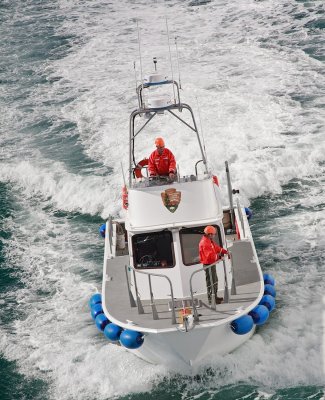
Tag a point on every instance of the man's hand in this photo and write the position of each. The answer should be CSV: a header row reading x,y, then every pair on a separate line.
x,y
171,176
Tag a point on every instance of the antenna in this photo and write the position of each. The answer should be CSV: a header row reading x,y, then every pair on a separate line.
x,y
139,43
136,81
135,75
179,71
170,59
199,112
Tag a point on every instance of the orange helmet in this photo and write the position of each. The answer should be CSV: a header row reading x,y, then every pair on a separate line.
x,y
159,142
210,229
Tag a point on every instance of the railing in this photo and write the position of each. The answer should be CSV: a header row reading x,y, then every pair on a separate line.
x,y
241,218
155,315
138,302
213,295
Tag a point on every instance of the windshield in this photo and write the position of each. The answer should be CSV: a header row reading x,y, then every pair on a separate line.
x,y
190,239
153,250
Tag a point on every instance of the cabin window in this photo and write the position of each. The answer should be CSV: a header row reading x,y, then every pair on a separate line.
x,y
153,250
190,239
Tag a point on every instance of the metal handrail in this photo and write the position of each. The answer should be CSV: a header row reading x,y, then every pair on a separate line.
x,y
151,295
195,313
110,233
241,217
196,166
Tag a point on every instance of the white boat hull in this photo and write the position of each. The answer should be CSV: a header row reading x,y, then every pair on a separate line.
x,y
184,352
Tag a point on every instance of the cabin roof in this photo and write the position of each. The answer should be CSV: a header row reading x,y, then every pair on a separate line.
x,y
173,205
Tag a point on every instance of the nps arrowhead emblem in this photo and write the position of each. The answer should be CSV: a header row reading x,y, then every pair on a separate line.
x,y
171,199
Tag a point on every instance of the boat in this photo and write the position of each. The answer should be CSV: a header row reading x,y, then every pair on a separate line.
x,y
154,292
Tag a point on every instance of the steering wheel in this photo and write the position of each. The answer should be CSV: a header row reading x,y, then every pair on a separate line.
x,y
147,259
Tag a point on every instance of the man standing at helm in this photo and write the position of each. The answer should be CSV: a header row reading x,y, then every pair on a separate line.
x,y
210,253
162,161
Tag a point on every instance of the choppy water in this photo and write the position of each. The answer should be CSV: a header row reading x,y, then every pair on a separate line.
x,y
256,70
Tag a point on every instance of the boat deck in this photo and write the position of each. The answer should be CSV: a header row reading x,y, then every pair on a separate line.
x,y
248,286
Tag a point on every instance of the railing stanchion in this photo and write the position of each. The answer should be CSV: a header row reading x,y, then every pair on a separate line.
x,y
195,313
132,301
173,303
110,233
226,293
231,204
153,306
241,218
233,282
213,295
139,304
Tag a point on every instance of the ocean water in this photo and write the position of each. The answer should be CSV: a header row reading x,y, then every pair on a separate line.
x,y
254,72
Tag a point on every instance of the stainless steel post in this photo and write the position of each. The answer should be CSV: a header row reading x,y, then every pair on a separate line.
x,y
226,293
139,304
132,301
153,306
231,204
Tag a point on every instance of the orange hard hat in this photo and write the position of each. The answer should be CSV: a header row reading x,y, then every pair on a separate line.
x,y
159,142
210,229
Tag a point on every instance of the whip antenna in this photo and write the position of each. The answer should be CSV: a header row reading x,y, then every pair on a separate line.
x,y
203,141
136,81
139,43
179,71
170,59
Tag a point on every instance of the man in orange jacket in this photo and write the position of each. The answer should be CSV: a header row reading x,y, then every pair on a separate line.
x,y
162,161
210,253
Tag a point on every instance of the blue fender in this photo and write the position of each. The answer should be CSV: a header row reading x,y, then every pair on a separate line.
x,y
113,332
95,299
101,321
268,279
268,301
260,314
131,339
242,325
96,309
269,289
102,230
249,213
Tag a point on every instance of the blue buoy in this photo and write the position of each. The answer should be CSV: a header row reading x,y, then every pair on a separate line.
x,y
260,314
268,301
95,299
101,321
269,289
102,230
242,325
249,213
268,279
131,339
96,309
113,332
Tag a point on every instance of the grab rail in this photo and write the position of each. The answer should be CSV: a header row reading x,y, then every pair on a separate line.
x,y
213,300
153,306
241,218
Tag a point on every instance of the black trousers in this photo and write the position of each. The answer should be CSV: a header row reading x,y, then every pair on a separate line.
x,y
211,285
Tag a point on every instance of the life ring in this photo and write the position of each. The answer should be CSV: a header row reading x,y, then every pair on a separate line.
x,y
139,166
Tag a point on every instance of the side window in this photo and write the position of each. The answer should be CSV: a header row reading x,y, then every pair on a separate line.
x,y
153,250
190,239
